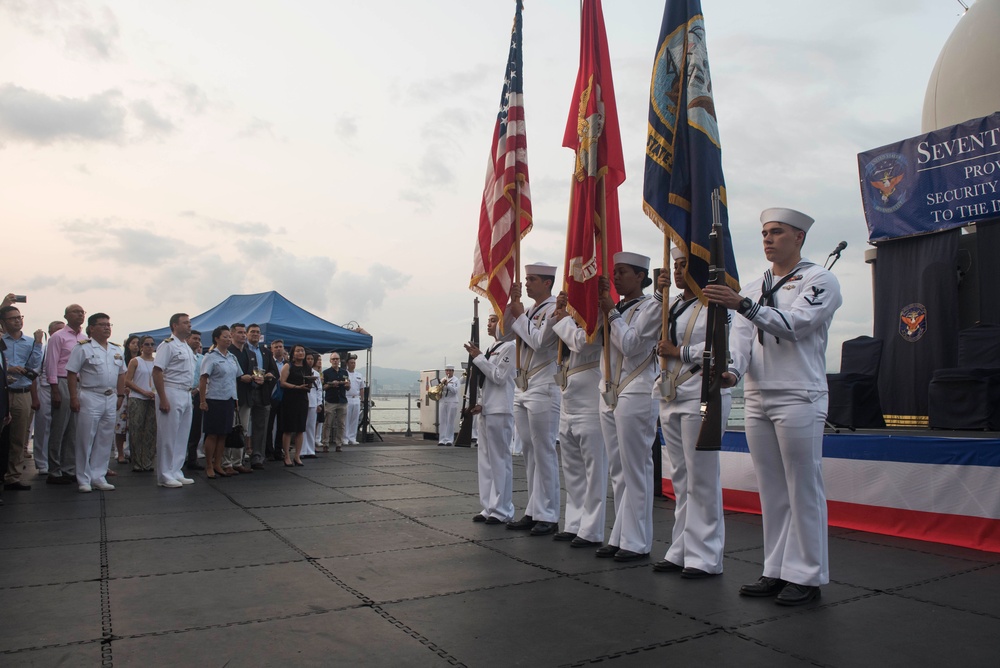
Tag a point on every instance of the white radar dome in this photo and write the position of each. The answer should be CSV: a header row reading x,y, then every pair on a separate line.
x,y
964,83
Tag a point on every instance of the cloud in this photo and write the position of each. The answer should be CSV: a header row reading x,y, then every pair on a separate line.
x,y
191,96
421,203
70,21
256,128
247,228
357,295
442,139
35,117
305,277
96,39
346,127
128,245
154,124
432,90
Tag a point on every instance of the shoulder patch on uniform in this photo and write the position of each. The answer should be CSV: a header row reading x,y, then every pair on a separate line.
x,y
168,339
83,342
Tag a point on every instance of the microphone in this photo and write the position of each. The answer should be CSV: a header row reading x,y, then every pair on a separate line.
x,y
836,251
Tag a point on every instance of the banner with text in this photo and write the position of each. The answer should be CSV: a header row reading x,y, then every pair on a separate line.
x,y
932,182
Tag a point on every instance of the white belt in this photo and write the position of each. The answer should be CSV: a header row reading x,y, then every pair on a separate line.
x,y
178,386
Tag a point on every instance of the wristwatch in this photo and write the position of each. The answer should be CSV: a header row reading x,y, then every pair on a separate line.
x,y
745,305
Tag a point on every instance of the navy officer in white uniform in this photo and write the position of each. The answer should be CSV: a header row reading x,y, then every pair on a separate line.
x,y
448,406
698,535
496,426
778,341
628,413
537,397
95,375
581,443
172,372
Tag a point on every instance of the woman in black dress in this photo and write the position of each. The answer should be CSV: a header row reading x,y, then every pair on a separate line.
x,y
294,404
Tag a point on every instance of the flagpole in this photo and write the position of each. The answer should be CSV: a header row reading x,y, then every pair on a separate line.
x,y
602,213
665,323
517,262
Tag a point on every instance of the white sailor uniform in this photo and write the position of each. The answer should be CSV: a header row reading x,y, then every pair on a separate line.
x,y
98,370
629,427
353,407
699,533
581,443
536,410
176,360
782,350
496,427
448,407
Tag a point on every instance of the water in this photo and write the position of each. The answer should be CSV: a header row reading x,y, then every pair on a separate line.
x,y
389,413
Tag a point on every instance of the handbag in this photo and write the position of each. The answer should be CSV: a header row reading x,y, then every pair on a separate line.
x,y
237,437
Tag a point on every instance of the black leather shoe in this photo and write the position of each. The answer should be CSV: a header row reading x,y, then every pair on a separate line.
x,y
544,528
664,566
564,536
479,517
696,574
764,586
629,555
494,520
17,487
194,466
606,552
583,542
257,467
796,594
522,524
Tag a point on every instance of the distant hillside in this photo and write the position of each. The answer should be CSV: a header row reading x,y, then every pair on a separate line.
x,y
393,380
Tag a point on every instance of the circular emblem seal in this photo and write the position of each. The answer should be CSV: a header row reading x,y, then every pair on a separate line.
x,y
887,182
913,322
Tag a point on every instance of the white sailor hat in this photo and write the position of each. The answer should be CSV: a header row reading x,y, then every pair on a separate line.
x,y
449,367
676,253
796,219
633,259
540,269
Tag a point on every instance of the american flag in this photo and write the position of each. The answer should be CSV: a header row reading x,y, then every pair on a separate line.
x,y
506,178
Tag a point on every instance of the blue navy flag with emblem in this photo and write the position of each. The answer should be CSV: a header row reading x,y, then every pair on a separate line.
x,y
683,150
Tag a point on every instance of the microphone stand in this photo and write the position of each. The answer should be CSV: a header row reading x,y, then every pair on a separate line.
x,y
836,256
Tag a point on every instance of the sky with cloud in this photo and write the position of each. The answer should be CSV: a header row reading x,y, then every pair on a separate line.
x,y
158,157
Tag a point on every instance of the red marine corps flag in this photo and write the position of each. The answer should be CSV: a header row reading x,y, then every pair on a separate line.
x,y
592,131
505,216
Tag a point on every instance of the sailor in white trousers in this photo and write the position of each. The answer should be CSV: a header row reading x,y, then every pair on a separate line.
x,y
628,413
448,406
172,372
779,341
699,532
537,398
354,394
95,375
496,425
581,443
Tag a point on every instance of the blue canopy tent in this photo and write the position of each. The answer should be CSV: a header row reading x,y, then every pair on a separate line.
x,y
278,319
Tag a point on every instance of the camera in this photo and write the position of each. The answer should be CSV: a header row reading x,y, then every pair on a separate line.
x,y
21,299
30,374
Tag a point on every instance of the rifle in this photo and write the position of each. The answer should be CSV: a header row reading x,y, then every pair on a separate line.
x,y
715,359
471,396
